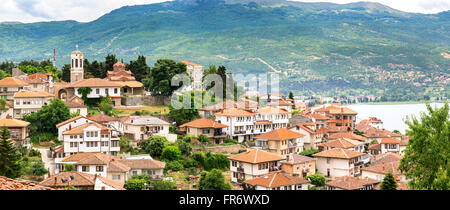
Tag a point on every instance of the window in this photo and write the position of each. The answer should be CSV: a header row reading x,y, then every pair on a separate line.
x,y
99,168
115,90
115,177
85,168
97,91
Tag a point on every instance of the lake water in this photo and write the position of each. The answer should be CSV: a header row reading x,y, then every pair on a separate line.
x,y
392,115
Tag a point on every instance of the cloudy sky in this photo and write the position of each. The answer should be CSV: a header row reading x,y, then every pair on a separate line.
x,y
88,10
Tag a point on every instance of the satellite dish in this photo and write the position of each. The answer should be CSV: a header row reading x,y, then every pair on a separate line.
x,y
72,177
63,180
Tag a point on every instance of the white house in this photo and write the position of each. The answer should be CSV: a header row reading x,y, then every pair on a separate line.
x,y
352,183
140,128
314,133
71,123
253,163
339,162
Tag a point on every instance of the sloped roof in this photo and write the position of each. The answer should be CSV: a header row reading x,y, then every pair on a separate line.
x,y
383,168
372,132
256,156
339,153
70,120
390,141
189,63
343,143
12,82
386,157
272,110
276,179
13,123
95,82
234,112
11,184
80,179
31,94
88,158
80,129
297,159
117,166
118,185
351,183
102,118
203,123
280,134
143,163
143,120
348,135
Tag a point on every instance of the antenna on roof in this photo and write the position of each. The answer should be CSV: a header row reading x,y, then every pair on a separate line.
x,y
76,46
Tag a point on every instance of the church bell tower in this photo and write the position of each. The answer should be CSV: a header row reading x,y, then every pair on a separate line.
x,y
76,66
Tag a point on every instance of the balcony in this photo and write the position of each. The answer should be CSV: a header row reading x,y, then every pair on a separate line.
x,y
274,168
358,163
292,145
240,169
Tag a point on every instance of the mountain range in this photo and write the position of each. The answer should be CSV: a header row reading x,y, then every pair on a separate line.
x,y
320,47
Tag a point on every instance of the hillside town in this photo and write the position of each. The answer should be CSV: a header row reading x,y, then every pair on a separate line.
x,y
273,143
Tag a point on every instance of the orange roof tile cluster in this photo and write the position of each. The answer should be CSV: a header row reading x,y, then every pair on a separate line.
x,y
281,103
241,104
89,158
131,84
351,183
296,159
307,128
370,120
70,120
13,123
375,147
12,82
372,132
280,134
31,94
102,118
95,82
348,135
11,184
117,166
234,112
339,153
343,110
80,129
203,123
383,168
342,143
386,157
272,110
256,156
276,179
316,116
390,141
79,180
118,185
143,163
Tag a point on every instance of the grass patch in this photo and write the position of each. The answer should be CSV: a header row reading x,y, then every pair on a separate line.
x,y
129,111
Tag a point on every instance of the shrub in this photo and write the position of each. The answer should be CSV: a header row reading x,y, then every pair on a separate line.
x,y
69,167
216,161
155,145
38,169
190,163
213,180
34,153
170,153
204,139
230,141
136,184
309,152
199,157
163,185
174,166
141,176
317,179
184,147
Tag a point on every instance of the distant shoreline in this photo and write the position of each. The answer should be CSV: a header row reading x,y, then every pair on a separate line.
x,y
394,103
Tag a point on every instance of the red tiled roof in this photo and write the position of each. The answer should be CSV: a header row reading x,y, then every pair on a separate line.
x,y
280,134
339,153
256,156
276,179
203,123
11,184
351,183
348,135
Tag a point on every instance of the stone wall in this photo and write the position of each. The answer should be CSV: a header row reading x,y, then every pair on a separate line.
x,y
146,100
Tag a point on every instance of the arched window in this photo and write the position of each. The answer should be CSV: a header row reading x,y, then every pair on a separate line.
x,y
76,63
72,63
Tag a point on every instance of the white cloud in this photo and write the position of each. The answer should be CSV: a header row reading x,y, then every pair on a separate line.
x,y
88,10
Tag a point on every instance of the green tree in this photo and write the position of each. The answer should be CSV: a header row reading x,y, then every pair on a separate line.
x,y
389,182
159,80
184,147
65,73
38,169
213,180
69,167
155,145
184,115
170,153
291,95
106,105
110,60
10,159
317,179
139,68
46,119
216,161
84,92
426,158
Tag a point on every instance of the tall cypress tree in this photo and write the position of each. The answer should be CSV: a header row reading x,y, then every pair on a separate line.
x,y
389,182
9,157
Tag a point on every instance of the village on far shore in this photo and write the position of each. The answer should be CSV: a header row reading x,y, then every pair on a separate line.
x,y
278,143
